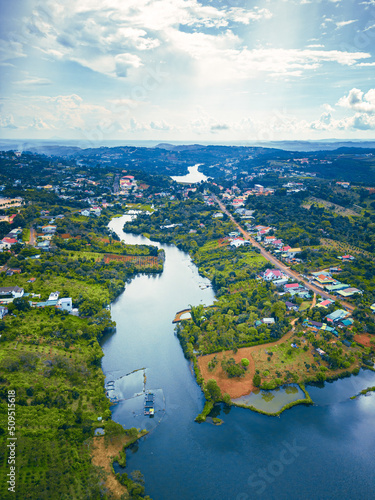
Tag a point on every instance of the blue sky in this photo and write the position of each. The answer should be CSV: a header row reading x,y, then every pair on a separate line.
x,y
213,70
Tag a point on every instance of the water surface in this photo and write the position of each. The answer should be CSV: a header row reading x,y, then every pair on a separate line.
x,y
272,401
317,452
193,177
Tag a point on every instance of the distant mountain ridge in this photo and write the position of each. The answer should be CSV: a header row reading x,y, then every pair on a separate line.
x,y
66,148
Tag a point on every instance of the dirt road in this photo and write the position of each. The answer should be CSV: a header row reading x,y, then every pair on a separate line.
x,y
32,240
285,269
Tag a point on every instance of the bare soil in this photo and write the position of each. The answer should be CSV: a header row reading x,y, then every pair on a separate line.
x,y
237,386
103,452
363,339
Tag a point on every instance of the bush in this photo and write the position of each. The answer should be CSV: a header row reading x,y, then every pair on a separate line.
x,y
245,362
257,380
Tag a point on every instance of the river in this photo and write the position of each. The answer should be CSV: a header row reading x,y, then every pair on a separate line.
x,y
324,451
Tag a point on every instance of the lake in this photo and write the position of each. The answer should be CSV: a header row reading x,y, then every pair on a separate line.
x,y
324,451
193,177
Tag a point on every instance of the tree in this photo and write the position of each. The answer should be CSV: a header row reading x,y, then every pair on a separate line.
x,y
257,380
197,314
226,399
245,362
20,304
213,390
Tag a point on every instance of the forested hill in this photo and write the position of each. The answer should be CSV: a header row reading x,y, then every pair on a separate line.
x,y
352,164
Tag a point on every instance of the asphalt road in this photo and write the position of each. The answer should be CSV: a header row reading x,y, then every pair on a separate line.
x,y
280,265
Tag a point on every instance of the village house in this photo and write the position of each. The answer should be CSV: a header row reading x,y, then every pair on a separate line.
x,y
96,211
268,321
277,243
7,243
65,304
291,306
14,292
269,239
348,292
325,303
337,315
273,274
291,286
49,229
237,242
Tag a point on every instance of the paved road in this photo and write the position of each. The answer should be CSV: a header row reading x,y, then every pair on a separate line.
x,y
280,265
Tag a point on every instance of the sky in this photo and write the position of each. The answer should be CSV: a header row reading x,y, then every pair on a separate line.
x,y
187,70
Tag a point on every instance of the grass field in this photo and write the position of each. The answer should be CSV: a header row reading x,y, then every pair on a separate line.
x,y
344,248
338,209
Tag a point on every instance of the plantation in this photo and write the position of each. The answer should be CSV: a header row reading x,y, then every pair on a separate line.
x,y
52,360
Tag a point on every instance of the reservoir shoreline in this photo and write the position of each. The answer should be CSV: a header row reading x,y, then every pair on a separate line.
x,y
206,462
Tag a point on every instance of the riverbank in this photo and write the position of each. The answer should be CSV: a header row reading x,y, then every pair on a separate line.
x,y
238,318
51,360
106,449
246,441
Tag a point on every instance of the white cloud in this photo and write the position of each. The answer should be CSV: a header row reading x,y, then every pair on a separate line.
x,y
39,124
7,122
369,27
160,125
358,101
124,62
62,112
34,81
341,24
363,119
363,122
109,36
10,50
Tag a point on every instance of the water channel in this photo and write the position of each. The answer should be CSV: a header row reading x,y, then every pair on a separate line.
x,y
324,451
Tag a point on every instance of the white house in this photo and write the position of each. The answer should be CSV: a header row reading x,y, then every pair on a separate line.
x,y
96,211
65,304
268,321
54,296
273,274
237,242
15,291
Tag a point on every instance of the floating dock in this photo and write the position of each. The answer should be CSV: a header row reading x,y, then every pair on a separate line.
x,y
149,404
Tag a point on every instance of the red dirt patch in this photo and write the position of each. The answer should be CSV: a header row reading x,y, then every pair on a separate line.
x,y
235,387
363,339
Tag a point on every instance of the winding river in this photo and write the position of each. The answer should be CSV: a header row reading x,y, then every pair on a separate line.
x,y
321,452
